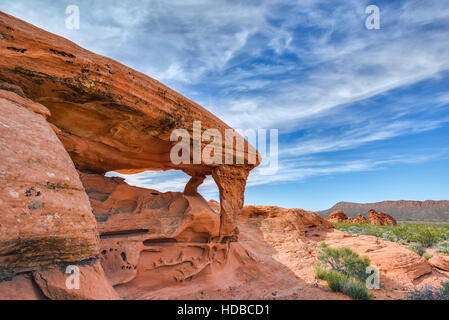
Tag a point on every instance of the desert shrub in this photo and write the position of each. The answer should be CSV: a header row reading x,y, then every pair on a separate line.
x,y
343,270
335,281
344,261
443,247
426,238
390,236
320,272
355,289
350,286
430,293
445,288
426,234
354,229
427,256
417,248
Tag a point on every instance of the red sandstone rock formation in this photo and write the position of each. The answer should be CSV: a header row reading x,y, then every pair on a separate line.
x,y
380,219
358,220
254,268
214,205
149,238
337,216
46,216
375,218
304,220
400,210
399,267
108,117
144,243
440,261
292,237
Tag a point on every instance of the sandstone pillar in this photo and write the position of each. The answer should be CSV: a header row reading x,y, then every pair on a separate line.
x,y
191,188
231,182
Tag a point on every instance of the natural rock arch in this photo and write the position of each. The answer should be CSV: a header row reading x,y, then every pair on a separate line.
x,y
108,118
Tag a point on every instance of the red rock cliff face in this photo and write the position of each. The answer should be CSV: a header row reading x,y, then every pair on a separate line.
x,y
45,215
108,118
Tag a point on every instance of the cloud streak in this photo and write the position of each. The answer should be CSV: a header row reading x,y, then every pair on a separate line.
x,y
309,68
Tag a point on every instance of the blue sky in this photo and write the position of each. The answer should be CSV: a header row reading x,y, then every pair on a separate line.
x,y
363,115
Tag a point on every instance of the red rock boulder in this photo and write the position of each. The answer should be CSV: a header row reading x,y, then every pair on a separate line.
x,y
358,220
380,219
337,216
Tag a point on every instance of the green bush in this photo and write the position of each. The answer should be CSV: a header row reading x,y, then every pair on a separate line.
x,y
426,238
426,234
344,271
427,256
443,247
320,272
417,248
355,289
344,261
335,280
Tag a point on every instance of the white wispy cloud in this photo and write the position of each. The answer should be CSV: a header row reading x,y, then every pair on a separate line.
x,y
304,65
354,138
194,43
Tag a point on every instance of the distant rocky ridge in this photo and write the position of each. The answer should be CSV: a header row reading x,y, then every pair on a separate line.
x,y
402,210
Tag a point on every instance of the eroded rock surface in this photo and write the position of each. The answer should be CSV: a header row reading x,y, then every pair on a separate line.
x,y
112,118
252,269
45,215
294,236
150,239
287,241
108,118
440,261
93,284
46,220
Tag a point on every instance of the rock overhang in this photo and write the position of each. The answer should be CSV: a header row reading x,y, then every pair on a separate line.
x,y
112,118
108,116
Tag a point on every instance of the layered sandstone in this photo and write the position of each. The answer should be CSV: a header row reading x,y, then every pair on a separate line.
x,y
46,220
440,261
45,214
112,118
109,116
252,268
400,268
63,107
